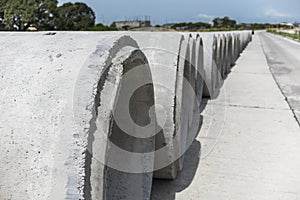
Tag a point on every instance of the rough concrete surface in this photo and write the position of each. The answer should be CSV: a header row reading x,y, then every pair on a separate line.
x,y
64,93
36,110
45,143
162,55
210,67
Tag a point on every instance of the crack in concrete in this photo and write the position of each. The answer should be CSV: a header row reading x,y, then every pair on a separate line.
x,y
249,73
246,106
256,107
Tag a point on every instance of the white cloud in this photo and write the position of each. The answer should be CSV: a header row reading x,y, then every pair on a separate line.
x,y
275,13
205,16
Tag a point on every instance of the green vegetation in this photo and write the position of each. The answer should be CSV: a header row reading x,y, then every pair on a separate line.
x,y
217,29
219,24
224,22
190,26
77,16
295,36
19,15
101,27
255,26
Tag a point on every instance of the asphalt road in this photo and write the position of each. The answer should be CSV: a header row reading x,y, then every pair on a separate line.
x,y
283,57
256,153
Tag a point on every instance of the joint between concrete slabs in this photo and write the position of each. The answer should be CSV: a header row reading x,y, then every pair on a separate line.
x,y
256,107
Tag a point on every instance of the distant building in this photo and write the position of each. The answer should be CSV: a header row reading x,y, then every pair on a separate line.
x,y
132,24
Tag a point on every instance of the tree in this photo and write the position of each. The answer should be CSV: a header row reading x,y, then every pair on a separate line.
x,y
21,14
2,3
2,8
224,22
77,16
13,12
45,15
101,27
190,25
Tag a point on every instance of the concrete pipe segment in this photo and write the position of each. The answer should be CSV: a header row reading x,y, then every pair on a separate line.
x,y
210,67
89,115
230,60
225,56
237,45
191,78
199,68
220,57
171,57
59,94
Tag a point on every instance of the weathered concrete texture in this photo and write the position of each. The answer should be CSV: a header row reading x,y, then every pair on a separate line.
x,y
257,155
229,56
216,58
191,95
220,59
225,57
210,54
236,46
65,92
50,92
134,178
199,69
163,58
43,151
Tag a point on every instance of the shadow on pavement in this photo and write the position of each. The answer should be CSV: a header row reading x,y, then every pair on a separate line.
x,y
167,189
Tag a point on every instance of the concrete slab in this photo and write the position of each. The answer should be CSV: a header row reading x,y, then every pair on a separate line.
x,y
251,163
283,58
257,57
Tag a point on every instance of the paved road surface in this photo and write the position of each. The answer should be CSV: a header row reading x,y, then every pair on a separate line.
x,y
284,59
258,151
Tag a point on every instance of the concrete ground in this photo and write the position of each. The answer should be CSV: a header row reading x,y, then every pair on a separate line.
x,y
257,155
283,57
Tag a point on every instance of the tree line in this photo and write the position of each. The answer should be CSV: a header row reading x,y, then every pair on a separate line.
x,y
19,15
220,24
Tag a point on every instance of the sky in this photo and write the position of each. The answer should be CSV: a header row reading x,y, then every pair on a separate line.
x,y
170,11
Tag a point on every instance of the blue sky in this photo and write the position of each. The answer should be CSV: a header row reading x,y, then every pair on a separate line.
x,y
167,11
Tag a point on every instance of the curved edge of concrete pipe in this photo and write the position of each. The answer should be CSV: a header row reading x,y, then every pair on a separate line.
x,y
98,180
118,183
209,57
167,58
191,79
199,70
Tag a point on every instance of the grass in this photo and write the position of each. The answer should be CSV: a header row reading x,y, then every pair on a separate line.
x,y
217,29
295,36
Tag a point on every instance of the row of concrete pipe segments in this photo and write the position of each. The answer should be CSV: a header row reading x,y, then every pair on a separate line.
x,y
99,115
